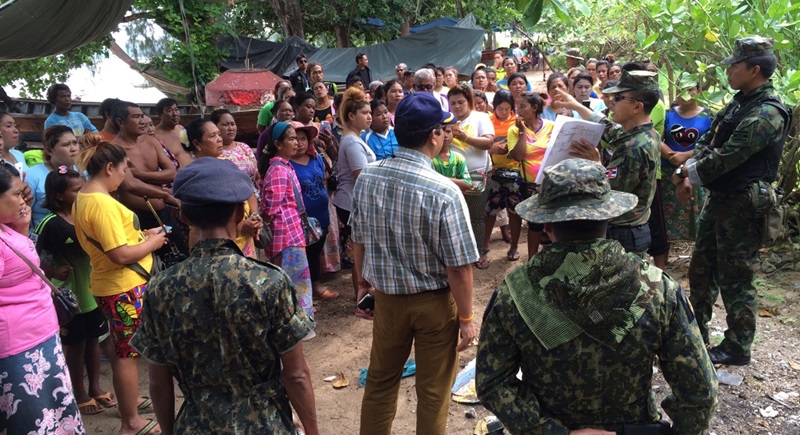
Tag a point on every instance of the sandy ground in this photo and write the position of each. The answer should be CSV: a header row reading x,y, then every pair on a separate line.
x,y
343,344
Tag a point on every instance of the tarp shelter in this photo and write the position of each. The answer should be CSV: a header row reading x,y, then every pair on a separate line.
x,y
258,53
459,46
31,29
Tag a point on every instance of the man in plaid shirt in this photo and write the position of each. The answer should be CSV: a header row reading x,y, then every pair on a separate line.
x,y
414,245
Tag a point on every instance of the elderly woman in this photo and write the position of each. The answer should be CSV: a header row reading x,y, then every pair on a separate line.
x,y
472,138
37,390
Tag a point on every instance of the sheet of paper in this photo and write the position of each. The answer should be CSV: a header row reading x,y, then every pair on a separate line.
x,y
565,131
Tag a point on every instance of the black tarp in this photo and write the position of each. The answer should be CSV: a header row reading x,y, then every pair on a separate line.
x,y
459,46
274,56
30,29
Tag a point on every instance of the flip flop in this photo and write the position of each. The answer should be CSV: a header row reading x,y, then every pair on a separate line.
x,y
146,406
148,427
482,264
327,295
90,407
106,400
513,255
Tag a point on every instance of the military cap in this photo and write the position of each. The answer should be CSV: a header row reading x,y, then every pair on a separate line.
x,y
575,189
635,81
574,53
750,47
209,180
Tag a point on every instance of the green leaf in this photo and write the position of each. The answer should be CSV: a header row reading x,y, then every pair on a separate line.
x,y
532,13
650,40
583,8
561,11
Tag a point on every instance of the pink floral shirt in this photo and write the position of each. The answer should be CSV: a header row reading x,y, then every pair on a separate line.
x,y
243,157
278,201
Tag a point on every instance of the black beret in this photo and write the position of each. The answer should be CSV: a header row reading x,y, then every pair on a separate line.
x,y
209,180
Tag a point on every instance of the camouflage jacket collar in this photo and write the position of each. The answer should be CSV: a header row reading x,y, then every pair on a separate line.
x,y
744,97
210,247
591,286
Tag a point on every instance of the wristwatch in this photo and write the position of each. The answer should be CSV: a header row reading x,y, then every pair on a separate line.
x,y
681,171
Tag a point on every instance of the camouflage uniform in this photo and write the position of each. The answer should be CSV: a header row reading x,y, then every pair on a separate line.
x,y
220,321
738,172
633,166
584,320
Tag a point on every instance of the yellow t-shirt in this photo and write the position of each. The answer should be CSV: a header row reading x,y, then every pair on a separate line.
x,y
112,225
535,147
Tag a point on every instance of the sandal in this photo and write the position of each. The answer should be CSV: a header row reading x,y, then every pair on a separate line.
x,y
146,407
90,407
513,255
327,295
146,430
482,264
106,400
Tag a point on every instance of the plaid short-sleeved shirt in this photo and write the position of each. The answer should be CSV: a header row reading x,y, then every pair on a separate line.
x,y
412,222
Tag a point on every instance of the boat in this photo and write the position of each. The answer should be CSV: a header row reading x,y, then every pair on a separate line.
x,y
30,115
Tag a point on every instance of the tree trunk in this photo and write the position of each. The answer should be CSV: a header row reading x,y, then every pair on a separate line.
x,y
288,12
460,9
405,28
342,35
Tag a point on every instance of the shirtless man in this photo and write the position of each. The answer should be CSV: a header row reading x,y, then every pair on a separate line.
x,y
149,166
108,133
169,129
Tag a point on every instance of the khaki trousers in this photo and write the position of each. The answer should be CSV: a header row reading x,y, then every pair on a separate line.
x,y
429,320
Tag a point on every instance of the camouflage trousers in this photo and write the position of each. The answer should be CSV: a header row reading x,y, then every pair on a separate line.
x,y
724,259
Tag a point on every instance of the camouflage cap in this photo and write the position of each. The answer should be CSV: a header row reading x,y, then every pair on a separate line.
x,y
635,81
575,189
750,47
574,53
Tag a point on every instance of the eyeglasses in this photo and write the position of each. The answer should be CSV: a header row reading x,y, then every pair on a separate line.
x,y
620,97
423,87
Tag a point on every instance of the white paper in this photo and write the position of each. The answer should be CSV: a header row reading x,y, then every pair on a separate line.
x,y
566,131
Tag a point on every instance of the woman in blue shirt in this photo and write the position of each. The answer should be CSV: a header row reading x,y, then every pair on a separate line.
x,y
310,171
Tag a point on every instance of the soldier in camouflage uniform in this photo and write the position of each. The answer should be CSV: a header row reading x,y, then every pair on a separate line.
x,y
737,160
584,321
227,327
635,148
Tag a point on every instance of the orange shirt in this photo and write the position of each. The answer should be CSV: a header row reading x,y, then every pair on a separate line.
x,y
502,161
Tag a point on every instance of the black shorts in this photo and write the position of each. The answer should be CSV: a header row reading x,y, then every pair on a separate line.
x,y
87,325
634,239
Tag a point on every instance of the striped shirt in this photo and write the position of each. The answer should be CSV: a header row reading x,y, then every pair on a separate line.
x,y
412,222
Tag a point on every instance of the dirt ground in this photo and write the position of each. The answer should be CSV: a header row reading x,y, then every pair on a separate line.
x,y
766,402
343,344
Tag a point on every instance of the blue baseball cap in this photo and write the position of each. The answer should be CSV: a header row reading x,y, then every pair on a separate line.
x,y
209,180
421,110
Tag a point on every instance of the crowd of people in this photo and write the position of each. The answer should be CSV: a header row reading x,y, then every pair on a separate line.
x,y
155,228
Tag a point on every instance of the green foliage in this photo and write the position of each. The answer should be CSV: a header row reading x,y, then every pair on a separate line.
x,y
36,75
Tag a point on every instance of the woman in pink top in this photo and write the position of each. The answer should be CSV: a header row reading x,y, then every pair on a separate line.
x,y
280,201
36,389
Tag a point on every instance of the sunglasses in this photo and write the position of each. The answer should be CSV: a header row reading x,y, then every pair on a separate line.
x,y
620,97
423,87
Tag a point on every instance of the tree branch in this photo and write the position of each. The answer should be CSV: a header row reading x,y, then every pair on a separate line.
x,y
137,16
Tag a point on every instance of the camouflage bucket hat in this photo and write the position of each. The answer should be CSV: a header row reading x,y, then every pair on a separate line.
x,y
635,81
750,47
575,189
574,53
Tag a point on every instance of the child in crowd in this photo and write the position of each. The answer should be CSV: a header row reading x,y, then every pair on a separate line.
x,y
68,265
452,165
